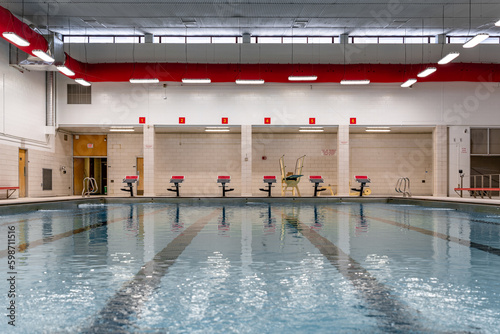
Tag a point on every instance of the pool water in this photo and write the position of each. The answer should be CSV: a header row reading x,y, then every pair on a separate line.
x,y
252,268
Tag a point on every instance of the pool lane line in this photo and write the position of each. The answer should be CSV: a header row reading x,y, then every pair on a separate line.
x,y
117,315
32,244
395,316
463,242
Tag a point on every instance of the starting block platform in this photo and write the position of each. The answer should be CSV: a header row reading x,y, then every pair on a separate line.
x,y
176,180
317,180
223,180
269,180
130,180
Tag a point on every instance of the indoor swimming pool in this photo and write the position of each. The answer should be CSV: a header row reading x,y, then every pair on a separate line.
x,y
250,267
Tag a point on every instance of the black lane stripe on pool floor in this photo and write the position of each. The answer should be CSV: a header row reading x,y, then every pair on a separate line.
x,y
32,244
463,242
116,316
394,316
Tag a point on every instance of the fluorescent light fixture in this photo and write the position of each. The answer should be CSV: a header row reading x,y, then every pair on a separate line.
x,y
122,129
475,40
83,82
310,127
378,130
408,83
448,58
64,70
426,72
196,81
151,80
311,130
354,82
497,23
302,78
249,82
43,55
14,38
378,127
217,129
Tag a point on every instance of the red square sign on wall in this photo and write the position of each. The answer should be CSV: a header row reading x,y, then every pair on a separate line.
x,y
225,120
182,120
267,120
352,120
312,120
142,120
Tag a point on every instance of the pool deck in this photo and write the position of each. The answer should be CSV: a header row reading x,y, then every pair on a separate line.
x,y
30,200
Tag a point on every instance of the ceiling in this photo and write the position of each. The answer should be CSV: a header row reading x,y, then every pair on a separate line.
x,y
261,17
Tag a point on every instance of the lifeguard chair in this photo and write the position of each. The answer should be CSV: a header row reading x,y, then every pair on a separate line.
x,y
291,179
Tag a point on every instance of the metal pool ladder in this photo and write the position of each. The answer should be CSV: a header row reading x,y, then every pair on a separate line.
x,y
89,186
403,186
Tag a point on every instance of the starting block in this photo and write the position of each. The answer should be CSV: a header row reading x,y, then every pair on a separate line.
x,y
130,180
363,180
269,180
316,179
176,180
223,180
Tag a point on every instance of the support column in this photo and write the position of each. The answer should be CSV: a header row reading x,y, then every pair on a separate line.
x,y
343,160
246,160
440,161
149,160
459,158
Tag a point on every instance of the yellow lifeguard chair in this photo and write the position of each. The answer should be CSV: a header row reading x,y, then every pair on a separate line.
x,y
291,180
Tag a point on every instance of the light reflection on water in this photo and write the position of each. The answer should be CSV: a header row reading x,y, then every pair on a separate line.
x,y
252,270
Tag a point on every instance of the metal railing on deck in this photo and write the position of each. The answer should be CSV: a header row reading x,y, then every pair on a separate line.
x,y
89,186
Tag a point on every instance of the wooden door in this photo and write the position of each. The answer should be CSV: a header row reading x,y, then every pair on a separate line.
x,y
22,173
140,172
78,175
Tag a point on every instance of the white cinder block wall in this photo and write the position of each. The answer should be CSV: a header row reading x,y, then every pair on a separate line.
x,y
319,149
123,151
386,157
200,158
10,168
62,184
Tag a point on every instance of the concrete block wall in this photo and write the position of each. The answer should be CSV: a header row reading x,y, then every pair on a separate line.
x,y
319,149
123,151
386,157
200,158
62,155
59,155
9,166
